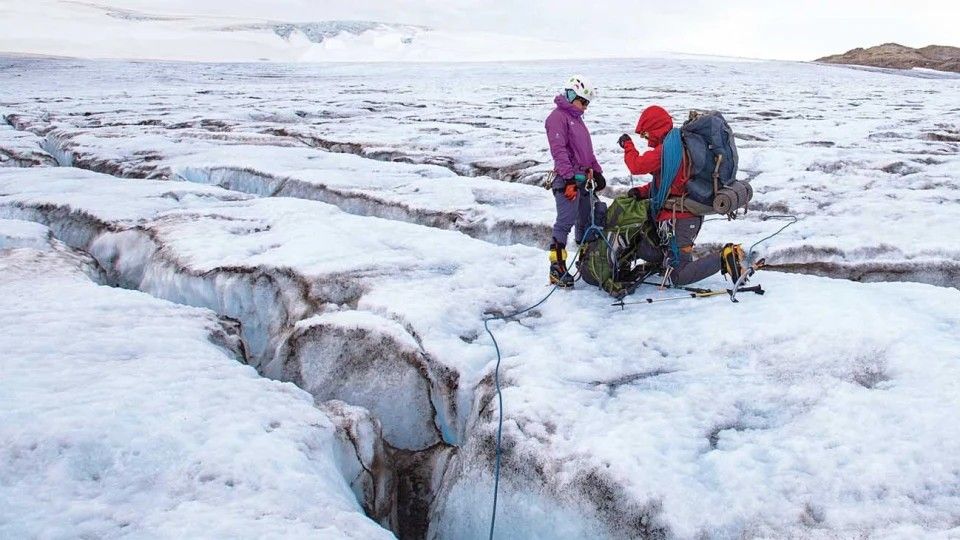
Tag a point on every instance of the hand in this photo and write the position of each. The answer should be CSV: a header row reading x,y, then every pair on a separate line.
x,y
622,141
599,181
635,193
570,192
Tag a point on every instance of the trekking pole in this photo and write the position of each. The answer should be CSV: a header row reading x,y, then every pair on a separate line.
x,y
756,289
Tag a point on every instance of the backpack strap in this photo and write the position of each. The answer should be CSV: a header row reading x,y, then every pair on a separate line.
x,y
716,174
687,160
690,206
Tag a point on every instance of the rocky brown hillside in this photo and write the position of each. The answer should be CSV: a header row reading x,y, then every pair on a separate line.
x,y
893,55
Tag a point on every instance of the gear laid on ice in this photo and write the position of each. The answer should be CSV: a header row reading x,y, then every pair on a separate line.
x,y
692,292
748,268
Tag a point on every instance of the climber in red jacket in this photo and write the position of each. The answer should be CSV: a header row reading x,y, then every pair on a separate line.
x,y
654,124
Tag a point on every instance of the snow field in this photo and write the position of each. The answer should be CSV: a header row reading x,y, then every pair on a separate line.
x,y
829,420
838,242
425,194
122,415
743,428
820,410
867,160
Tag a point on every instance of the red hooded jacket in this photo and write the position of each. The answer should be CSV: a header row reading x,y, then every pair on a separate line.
x,y
656,123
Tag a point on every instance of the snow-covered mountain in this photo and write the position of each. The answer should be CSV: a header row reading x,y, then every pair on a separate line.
x,y
103,30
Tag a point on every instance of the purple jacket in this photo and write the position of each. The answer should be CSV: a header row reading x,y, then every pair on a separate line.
x,y
570,143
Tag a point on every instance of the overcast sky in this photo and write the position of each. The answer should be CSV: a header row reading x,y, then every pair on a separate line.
x,y
798,30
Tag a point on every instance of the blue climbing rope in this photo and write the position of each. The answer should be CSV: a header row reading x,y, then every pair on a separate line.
x,y
671,157
496,378
674,250
496,371
792,219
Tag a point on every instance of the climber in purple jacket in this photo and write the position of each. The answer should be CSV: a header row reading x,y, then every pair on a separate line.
x,y
573,163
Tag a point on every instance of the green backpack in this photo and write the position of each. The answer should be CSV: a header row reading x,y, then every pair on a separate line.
x,y
607,261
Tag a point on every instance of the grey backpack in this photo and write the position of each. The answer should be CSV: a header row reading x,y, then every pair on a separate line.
x,y
712,158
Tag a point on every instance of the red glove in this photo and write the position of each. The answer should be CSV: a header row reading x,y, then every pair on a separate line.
x,y
570,192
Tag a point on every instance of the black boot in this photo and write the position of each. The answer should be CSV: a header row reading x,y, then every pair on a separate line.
x,y
559,275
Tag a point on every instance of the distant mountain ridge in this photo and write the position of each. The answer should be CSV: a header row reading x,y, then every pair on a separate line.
x,y
896,56
112,29
175,31
318,32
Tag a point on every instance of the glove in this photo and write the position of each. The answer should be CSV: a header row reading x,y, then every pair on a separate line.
x,y
622,141
570,192
635,193
599,181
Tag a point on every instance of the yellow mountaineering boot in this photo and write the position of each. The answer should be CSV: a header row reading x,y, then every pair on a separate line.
x,y
559,275
731,261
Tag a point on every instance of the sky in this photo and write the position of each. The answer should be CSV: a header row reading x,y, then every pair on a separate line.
x,y
798,30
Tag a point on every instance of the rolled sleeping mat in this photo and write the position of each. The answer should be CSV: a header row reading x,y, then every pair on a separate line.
x,y
725,201
744,192
733,197
688,205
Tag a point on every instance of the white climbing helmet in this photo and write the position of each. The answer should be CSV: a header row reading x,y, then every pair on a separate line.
x,y
579,87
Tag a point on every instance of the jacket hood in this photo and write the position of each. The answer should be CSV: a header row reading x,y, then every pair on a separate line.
x,y
566,106
656,122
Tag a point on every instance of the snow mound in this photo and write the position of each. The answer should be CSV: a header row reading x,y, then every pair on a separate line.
x,y
22,149
15,233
